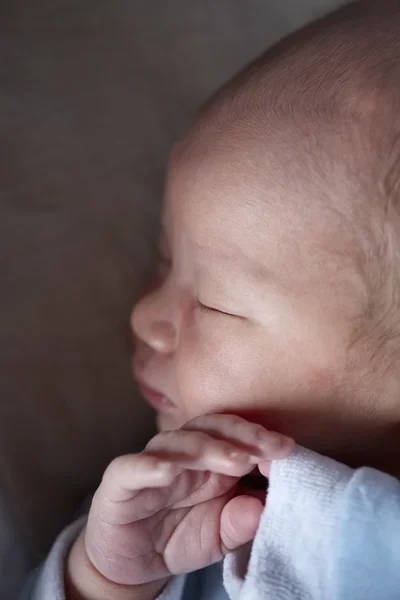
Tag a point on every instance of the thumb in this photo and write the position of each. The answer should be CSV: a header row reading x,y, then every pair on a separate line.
x,y
239,522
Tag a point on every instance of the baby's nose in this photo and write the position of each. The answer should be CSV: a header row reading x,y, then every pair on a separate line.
x,y
152,326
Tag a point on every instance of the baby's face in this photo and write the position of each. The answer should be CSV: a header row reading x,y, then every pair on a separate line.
x,y
248,312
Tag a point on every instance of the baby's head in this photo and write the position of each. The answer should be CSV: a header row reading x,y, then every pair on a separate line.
x,y
277,293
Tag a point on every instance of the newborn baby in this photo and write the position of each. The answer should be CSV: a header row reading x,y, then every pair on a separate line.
x,y
272,317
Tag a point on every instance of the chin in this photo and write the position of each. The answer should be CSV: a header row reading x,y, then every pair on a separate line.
x,y
167,421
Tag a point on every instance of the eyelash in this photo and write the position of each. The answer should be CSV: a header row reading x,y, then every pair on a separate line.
x,y
199,306
203,308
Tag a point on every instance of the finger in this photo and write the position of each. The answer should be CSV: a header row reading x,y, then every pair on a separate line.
x,y
240,518
269,445
265,468
196,450
133,472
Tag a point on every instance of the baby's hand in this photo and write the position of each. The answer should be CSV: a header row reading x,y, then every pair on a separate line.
x,y
177,506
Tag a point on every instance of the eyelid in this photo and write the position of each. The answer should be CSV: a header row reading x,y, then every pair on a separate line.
x,y
208,309
203,308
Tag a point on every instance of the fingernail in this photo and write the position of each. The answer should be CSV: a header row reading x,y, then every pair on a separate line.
x,y
243,457
271,441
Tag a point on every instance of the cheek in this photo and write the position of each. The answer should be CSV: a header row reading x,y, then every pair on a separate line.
x,y
249,372
320,379
218,372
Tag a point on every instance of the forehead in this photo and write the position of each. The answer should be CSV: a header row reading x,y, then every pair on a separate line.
x,y
234,204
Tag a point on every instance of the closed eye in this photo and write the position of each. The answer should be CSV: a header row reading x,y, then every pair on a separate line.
x,y
203,308
200,307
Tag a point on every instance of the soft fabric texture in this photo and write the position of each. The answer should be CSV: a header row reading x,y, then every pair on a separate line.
x,y
93,94
327,533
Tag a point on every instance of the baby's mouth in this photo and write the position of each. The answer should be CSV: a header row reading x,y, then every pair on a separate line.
x,y
156,399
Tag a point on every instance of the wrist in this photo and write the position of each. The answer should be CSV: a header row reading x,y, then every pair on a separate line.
x,y
84,582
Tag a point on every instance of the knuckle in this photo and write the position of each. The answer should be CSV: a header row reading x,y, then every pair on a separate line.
x,y
201,440
120,466
160,440
239,425
115,467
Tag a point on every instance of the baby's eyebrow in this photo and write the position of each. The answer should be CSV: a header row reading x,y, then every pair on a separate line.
x,y
232,261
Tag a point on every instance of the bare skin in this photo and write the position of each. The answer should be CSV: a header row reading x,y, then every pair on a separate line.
x,y
175,508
